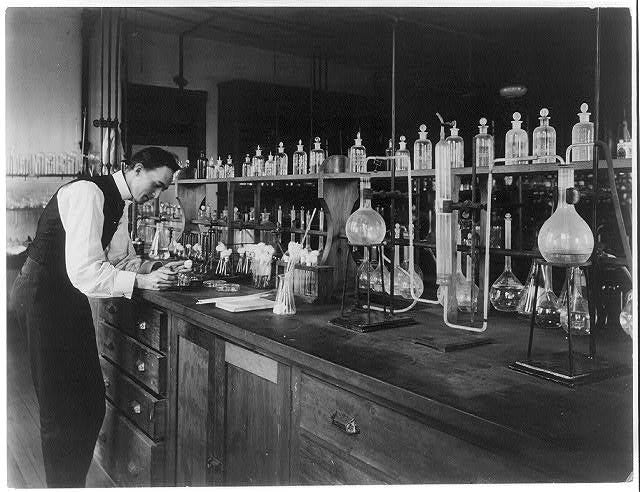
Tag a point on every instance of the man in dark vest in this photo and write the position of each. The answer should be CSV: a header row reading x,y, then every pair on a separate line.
x,y
82,249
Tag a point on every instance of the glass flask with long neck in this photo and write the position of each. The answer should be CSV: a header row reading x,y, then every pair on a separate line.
x,y
544,139
506,291
582,133
578,304
357,156
365,226
316,157
516,142
418,277
483,146
455,146
565,237
257,163
422,150
403,163
282,161
300,160
547,312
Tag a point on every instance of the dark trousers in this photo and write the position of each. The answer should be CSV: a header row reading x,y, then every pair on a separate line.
x,y
65,369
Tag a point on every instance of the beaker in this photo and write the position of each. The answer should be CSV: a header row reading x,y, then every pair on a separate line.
x,y
285,303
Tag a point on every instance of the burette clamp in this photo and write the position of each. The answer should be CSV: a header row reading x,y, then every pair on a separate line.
x,y
449,206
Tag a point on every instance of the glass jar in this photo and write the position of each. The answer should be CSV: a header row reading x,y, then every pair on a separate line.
x,y
483,146
565,237
300,160
365,226
229,169
316,158
544,139
582,133
282,161
247,167
422,150
357,156
403,156
516,142
455,146
257,163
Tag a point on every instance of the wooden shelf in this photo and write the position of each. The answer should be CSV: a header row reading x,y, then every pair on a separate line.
x,y
543,168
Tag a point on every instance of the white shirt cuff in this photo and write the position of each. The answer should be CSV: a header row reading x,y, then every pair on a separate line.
x,y
123,284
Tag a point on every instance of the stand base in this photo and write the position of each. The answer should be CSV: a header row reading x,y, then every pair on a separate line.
x,y
555,367
451,343
358,321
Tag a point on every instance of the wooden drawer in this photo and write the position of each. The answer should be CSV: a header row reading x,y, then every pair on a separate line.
x,y
138,320
128,456
406,450
147,411
319,465
139,361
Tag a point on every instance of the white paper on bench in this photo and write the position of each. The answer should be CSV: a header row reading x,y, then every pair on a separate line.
x,y
213,300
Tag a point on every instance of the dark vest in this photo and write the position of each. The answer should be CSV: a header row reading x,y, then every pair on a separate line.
x,y
48,247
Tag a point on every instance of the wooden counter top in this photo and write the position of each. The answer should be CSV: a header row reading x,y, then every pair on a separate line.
x,y
569,434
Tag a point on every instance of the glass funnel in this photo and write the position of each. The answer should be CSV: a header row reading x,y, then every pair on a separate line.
x,y
565,237
422,150
282,161
357,156
365,226
403,163
582,132
483,146
506,291
544,139
257,163
516,142
580,318
316,158
300,160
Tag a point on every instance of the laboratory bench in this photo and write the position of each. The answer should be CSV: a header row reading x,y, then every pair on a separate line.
x,y
201,396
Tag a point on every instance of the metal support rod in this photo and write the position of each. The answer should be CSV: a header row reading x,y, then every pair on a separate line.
x,y
117,69
101,82
570,282
393,167
533,310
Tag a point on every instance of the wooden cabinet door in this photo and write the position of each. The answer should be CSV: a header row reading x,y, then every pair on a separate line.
x,y
257,415
194,393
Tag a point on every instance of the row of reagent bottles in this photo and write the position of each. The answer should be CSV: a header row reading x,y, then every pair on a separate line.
x,y
278,165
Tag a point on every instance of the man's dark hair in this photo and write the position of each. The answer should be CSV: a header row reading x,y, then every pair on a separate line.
x,y
153,158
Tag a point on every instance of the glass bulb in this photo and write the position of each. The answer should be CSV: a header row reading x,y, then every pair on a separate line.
x,y
365,226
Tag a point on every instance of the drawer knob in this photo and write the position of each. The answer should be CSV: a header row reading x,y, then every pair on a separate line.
x,y
346,423
111,309
107,383
140,366
135,406
213,463
142,325
133,469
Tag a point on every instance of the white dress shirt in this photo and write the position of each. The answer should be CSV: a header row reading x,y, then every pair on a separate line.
x,y
94,271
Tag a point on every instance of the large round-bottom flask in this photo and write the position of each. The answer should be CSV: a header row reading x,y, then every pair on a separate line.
x,y
365,226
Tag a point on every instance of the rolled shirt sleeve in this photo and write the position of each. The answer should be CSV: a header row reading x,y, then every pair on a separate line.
x,y
80,205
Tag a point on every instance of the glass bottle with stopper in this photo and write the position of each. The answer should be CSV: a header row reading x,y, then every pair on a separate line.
x,y
270,166
483,146
357,156
403,163
578,304
257,163
282,161
506,291
544,139
218,170
516,142
229,169
422,150
365,226
455,146
316,157
300,160
582,133
211,168
565,237
247,168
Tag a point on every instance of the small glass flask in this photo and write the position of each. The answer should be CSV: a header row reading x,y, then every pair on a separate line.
x,y
365,226
357,156
270,166
218,170
565,237
582,133
211,168
527,300
506,291
483,146
547,312
422,150
316,157
544,139
580,318
282,161
300,160
626,315
404,161
455,146
229,169
516,142
247,167
365,271
257,163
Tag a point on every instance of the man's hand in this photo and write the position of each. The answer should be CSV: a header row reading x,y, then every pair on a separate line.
x,y
160,279
177,266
